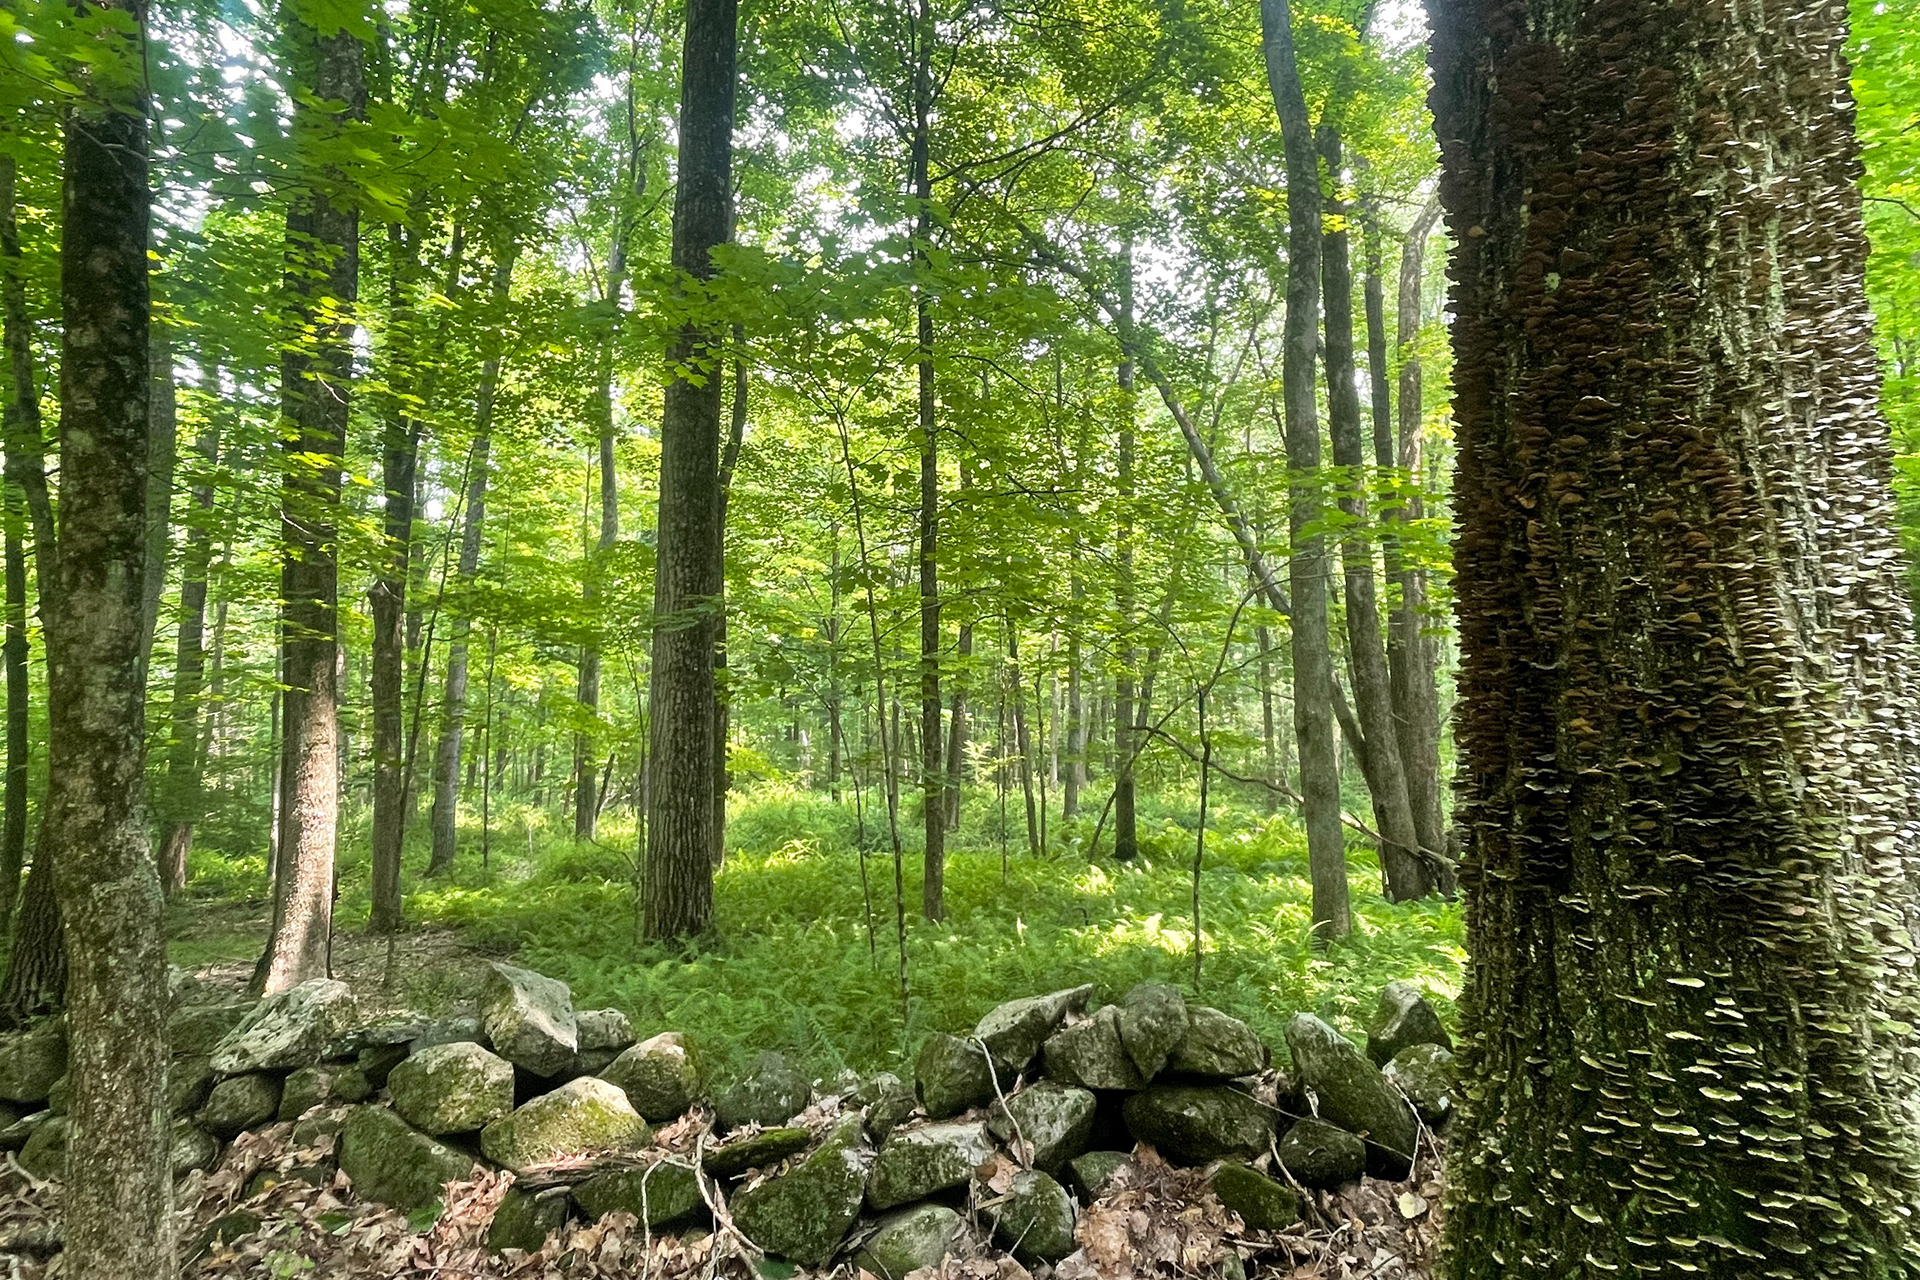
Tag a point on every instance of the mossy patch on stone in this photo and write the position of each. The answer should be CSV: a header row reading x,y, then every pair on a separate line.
x,y
1261,1202
952,1075
1218,1046
390,1161
1034,1219
803,1213
907,1240
1193,1124
662,1192
525,1219
1053,1119
583,1115
915,1163
1321,1155
452,1088
756,1151
660,1076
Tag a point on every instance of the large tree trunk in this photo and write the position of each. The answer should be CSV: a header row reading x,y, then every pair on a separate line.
x,y
1688,763
316,372
687,579
118,1205
181,793
1308,568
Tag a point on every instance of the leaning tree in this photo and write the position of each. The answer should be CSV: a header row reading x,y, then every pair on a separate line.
x,y
1687,728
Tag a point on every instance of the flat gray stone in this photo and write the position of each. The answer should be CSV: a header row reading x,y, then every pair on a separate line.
x,y
1090,1175
1402,1017
603,1029
1034,1220
238,1103
915,1163
1055,1121
1320,1155
953,1075
889,1103
1424,1074
286,1030
772,1094
452,1088
1153,1020
529,1018
1014,1032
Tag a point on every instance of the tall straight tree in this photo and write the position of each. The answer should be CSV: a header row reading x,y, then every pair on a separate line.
x,y
681,748
316,373
1126,835
933,782
182,786
118,1206
22,440
1688,732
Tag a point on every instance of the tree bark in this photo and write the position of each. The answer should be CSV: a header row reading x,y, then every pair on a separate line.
x,y
1688,763
933,781
687,579
181,792
722,691
24,447
1126,839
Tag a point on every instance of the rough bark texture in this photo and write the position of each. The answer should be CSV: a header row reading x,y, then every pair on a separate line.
x,y
680,810
722,692
1126,828
118,1197
163,429
933,782
1688,735
23,443
181,793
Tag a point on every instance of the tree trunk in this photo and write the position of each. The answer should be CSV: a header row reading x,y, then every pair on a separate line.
x,y
316,373
957,729
1126,839
722,691
181,793
687,580
163,422
933,781
1022,739
1688,764
24,448
118,1206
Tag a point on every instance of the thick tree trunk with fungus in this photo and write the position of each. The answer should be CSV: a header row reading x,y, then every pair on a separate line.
x,y
1688,728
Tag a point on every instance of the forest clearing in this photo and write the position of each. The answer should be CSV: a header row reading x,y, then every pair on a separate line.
x,y
952,640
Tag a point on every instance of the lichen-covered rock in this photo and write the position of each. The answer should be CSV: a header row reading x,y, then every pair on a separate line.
x,y
388,1029
322,1085
1402,1017
661,1076
582,1115
1218,1046
1034,1219
890,1102
452,1088
1262,1203
603,1029
952,1075
1153,1020
1193,1124
915,1163
1320,1155
17,1134
1090,1175
1351,1092
1013,1032
759,1150
45,1152
288,1029
390,1161
908,1239
321,1128
191,1147
803,1213
662,1192
772,1094
1424,1073
238,1103
193,1030
529,1018
1054,1120
454,1030
60,1097
32,1059
525,1219
189,1083
1092,1055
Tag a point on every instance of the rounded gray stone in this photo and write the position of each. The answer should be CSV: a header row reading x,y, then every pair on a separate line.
x,y
660,1076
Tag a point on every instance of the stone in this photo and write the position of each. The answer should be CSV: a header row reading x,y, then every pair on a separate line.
x,y
907,1240
1054,1120
1261,1202
529,1018
603,1030
1091,1174
191,1147
1013,1032
377,1061
193,1030
454,1030
238,1103
1320,1155
803,1213
952,1075
1153,1020
584,1115
662,1192
452,1088
60,1097
288,1029
1424,1074
890,1103
1195,1124
1402,1017
772,1094
1350,1091
32,1059
321,1127
387,1030
587,1062
915,1163
45,1153
390,1161
1092,1055
189,1083
759,1150
322,1085
661,1076
524,1219
1218,1046
1034,1220
15,1135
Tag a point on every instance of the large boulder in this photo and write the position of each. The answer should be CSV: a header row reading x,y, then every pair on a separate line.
x,y
1092,1054
1194,1124
908,1239
1153,1020
45,1152
1034,1219
238,1103
583,1115
1424,1074
661,1076
390,1161
1013,1032
1218,1046
771,1094
452,1088
1351,1092
322,1085
193,1030
1402,1017
32,1060
1320,1155
915,1163
525,1219
288,1029
759,1150
529,1019
953,1075
1262,1203
1053,1120
803,1213
602,1030
660,1193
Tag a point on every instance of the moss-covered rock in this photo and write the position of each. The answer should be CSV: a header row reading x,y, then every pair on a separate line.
x,y
1092,1055
661,1076
1055,1121
320,1128
1402,1017
452,1088
1351,1092
1091,1174
1424,1074
1193,1124
662,1192
390,1161
760,1150
908,1239
1013,1032
1261,1202
238,1103
1218,1046
1034,1219
915,1163
189,1083
377,1061
193,1030
322,1085
803,1213
1153,1020
31,1061
288,1029
45,1152
191,1147
952,1075
772,1094
582,1115
889,1101
452,1030
525,1219
529,1019
1320,1155
16,1135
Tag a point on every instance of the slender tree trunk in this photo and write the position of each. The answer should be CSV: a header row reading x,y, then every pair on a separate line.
x,y
1269,737
164,429
1689,782
722,691
932,777
180,794
1126,839
957,729
1076,721
687,580
837,741
1022,740
24,448
13,837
